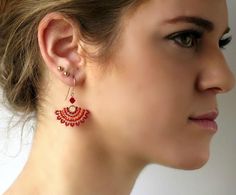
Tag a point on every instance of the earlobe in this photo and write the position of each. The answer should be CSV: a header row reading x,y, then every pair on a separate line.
x,y
58,43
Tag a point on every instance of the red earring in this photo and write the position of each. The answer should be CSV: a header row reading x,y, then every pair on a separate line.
x,y
72,115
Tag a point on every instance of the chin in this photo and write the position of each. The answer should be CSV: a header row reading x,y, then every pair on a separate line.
x,y
193,163
185,163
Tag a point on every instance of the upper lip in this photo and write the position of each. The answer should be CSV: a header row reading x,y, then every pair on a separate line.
x,y
212,115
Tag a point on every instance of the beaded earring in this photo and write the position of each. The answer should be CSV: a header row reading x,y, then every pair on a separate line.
x,y
72,115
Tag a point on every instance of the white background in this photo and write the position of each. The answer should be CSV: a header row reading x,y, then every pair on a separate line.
x,y
218,177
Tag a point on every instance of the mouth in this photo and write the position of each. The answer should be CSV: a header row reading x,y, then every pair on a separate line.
x,y
206,121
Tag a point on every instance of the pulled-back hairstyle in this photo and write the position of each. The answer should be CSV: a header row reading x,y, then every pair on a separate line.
x,y
20,59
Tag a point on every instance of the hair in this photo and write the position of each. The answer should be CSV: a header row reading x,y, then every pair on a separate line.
x,y
20,71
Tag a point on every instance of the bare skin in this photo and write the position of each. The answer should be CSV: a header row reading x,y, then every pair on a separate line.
x,y
140,106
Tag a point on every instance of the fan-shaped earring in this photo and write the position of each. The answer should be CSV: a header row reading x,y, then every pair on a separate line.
x,y
72,115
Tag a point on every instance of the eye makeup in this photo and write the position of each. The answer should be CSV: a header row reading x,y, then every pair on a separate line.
x,y
192,38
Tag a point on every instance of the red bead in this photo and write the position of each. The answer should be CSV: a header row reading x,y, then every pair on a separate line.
x,y
72,100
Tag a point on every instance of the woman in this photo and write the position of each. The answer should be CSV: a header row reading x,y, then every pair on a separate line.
x,y
115,85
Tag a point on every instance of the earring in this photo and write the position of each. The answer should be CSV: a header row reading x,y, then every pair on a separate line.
x,y
72,115
67,74
60,68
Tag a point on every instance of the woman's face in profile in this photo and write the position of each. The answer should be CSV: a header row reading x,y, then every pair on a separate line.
x,y
169,67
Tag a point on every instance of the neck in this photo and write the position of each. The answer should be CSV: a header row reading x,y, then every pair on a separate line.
x,y
73,161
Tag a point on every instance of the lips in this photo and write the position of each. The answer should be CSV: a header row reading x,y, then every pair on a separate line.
x,y
206,121
207,116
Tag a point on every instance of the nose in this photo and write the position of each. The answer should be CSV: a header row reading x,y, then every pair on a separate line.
x,y
215,75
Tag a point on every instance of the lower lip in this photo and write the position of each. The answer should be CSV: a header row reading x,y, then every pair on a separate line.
x,y
206,124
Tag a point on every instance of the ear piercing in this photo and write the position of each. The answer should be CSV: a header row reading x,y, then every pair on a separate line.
x,y
61,69
67,74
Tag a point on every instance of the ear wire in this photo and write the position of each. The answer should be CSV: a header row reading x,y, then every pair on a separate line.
x,y
67,74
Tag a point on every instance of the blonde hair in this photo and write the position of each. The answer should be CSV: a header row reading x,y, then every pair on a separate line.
x,y
20,70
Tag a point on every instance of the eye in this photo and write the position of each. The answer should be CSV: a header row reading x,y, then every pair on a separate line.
x,y
224,42
187,38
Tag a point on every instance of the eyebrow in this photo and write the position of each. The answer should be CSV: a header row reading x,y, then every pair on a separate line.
x,y
201,22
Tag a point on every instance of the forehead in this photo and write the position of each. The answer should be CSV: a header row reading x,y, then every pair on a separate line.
x,y
197,6
159,10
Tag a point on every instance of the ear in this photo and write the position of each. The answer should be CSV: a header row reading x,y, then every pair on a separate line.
x,y
58,39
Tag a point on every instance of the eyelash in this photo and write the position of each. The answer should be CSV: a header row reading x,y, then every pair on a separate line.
x,y
195,37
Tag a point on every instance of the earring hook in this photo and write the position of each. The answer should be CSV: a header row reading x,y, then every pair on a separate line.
x,y
72,93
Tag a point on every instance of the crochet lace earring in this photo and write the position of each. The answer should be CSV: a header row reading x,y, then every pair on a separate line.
x,y
72,115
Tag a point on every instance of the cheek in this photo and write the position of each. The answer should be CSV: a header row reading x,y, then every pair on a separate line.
x,y
140,108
